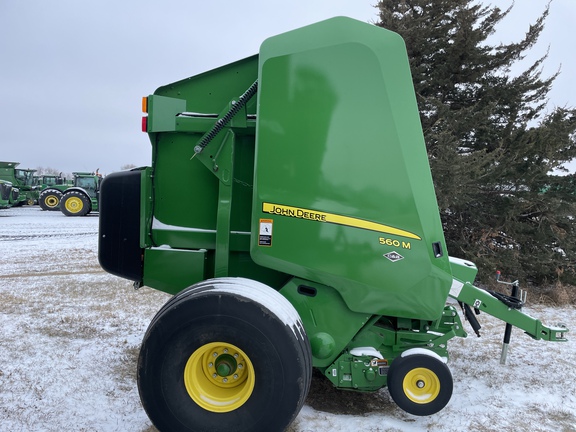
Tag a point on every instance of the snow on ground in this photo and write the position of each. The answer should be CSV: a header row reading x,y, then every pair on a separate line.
x,y
70,335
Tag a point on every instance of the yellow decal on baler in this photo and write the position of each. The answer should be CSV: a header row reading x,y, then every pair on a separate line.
x,y
314,215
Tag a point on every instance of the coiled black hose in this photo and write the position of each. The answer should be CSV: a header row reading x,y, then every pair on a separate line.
x,y
221,123
510,301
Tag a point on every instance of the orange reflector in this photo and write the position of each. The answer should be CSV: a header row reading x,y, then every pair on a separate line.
x,y
144,104
144,124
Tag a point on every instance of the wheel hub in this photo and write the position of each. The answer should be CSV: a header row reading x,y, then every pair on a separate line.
x,y
74,205
51,201
219,377
225,365
421,385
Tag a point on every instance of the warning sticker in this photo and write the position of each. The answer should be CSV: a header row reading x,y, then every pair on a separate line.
x,y
265,235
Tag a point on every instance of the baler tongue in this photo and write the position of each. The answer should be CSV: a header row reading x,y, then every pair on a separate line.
x,y
508,309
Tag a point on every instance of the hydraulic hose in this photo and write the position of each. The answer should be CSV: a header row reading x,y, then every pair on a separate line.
x,y
221,123
471,318
509,300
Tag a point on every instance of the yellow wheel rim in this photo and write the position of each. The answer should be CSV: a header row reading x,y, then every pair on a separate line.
x,y
421,385
51,201
74,204
219,377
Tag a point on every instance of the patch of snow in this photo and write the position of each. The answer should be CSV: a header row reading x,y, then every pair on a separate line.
x,y
366,351
262,294
423,351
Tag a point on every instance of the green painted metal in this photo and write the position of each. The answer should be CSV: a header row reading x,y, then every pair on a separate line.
x,y
320,187
341,165
186,265
329,323
484,301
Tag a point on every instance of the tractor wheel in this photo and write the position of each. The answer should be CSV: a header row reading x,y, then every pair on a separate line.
x,y
420,384
50,199
75,203
225,354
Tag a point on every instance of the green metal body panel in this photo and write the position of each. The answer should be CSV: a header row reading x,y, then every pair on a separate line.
x,y
329,323
342,171
190,265
463,270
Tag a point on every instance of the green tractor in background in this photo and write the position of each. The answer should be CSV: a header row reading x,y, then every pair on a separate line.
x,y
50,181
8,194
21,179
47,180
41,182
76,199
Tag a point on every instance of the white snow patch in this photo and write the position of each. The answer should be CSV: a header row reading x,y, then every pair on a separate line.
x,y
262,294
423,351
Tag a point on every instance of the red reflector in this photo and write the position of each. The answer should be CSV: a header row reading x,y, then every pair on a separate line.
x,y
144,124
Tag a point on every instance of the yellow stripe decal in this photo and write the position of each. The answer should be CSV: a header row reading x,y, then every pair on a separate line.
x,y
302,213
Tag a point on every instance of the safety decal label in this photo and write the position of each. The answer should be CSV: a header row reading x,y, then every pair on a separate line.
x,y
318,216
265,235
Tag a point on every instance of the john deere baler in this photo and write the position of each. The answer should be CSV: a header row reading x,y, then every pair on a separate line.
x,y
290,209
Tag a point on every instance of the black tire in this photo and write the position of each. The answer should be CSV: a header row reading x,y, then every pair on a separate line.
x,y
75,203
258,326
420,384
50,199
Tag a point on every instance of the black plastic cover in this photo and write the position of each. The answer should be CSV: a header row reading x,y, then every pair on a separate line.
x,y
119,251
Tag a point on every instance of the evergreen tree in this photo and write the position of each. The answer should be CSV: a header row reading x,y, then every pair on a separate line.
x,y
491,142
